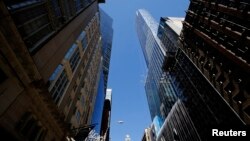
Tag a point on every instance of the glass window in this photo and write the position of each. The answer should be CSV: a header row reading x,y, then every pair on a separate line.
x,y
28,126
73,55
83,38
82,100
61,81
79,5
74,60
70,52
56,72
56,8
78,116
13,5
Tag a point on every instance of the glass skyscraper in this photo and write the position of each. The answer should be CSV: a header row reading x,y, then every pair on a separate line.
x,y
209,72
106,39
153,54
203,92
160,93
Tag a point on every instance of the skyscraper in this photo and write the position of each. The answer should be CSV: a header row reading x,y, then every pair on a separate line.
x,y
50,62
219,49
178,124
106,38
154,53
208,70
211,72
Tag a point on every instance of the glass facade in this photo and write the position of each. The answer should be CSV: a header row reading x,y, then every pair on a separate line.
x,y
100,109
58,83
205,107
99,103
157,124
159,88
178,125
107,37
38,20
146,29
202,105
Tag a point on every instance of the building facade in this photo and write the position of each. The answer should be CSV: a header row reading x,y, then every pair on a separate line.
x,y
107,36
220,47
51,60
178,125
99,104
208,70
211,72
154,53
149,134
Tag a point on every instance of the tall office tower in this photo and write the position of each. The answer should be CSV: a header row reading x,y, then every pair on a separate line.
x,y
50,62
106,118
154,53
219,49
178,124
107,35
99,104
211,70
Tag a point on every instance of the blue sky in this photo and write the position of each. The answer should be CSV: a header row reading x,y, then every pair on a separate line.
x,y
127,67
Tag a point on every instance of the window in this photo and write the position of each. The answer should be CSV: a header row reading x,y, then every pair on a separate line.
x,y
83,39
79,5
17,4
74,59
78,116
73,56
56,8
55,74
3,77
58,81
30,129
33,26
42,33
82,100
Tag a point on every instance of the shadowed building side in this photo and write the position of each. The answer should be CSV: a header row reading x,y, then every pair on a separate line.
x,y
50,62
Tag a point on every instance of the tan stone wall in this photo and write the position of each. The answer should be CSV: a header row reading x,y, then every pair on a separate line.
x,y
52,53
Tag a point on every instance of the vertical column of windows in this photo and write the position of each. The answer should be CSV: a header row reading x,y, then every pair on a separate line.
x,y
58,82
78,116
73,56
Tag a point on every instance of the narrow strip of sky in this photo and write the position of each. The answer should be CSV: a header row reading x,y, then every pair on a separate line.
x,y
127,68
